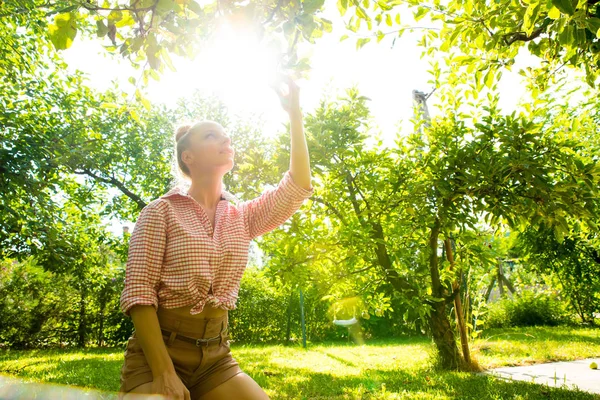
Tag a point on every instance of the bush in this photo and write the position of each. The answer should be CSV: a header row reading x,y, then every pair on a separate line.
x,y
527,308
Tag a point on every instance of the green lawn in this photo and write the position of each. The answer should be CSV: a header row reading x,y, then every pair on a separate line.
x,y
380,369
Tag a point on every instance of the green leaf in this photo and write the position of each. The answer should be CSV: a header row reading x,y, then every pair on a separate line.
x,y
489,78
554,13
361,13
115,15
565,37
125,20
165,6
565,6
135,116
63,31
421,11
167,59
102,29
327,25
594,25
388,19
310,6
361,42
344,37
558,233
383,5
342,6
531,15
288,27
195,8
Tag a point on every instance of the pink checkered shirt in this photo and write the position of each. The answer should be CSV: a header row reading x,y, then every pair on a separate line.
x,y
176,260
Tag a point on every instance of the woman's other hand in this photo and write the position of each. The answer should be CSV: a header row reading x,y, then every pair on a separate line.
x,y
290,101
169,384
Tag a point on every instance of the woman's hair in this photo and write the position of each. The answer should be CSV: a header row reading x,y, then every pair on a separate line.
x,y
182,142
181,171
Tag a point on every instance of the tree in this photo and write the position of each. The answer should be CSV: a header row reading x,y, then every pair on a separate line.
x,y
575,261
147,32
387,213
488,35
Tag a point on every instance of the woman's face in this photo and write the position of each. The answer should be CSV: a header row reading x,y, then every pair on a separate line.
x,y
210,149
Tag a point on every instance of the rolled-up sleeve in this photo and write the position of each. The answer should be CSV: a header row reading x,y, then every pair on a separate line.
x,y
144,260
274,206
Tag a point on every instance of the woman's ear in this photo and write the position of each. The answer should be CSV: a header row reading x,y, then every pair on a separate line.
x,y
187,156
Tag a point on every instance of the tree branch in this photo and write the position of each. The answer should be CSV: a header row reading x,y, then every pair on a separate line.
x,y
137,199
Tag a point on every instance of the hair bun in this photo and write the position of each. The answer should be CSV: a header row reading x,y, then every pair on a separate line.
x,y
182,130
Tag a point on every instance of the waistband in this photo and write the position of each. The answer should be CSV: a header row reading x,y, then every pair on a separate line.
x,y
191,326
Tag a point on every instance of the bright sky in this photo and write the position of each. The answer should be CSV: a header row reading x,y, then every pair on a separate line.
x,y
238,72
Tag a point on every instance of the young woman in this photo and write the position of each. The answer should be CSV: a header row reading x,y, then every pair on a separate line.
x,y
187,254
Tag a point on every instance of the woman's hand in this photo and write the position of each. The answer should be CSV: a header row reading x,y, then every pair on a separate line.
x,y
169,384
291,101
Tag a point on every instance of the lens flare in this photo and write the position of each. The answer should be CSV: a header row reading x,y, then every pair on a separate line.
x,y
344,314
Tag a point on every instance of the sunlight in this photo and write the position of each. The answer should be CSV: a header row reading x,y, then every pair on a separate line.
x,y
237,67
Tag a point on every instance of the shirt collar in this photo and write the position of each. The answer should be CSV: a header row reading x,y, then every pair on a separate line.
x,y
182,191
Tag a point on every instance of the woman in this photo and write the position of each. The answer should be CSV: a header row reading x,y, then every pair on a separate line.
x,y
187,254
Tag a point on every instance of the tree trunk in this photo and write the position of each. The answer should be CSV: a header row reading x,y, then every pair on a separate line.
x,y
508,284
441,330
418,330
82,325
460,320
488,292
289,318
103,300
499,279
468,305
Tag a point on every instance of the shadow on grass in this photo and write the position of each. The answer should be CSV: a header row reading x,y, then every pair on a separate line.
x,y
337,358
291,383
416,339
90,368
535,333
283,376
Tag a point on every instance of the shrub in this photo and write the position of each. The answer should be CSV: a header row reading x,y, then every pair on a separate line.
x,y
527,308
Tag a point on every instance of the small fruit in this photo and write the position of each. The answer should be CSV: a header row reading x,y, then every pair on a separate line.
x,y
594,365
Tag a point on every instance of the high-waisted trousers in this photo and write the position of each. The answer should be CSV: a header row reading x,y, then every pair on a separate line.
x,y
200,364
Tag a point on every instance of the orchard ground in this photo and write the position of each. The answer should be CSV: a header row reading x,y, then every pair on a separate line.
x,y
399,368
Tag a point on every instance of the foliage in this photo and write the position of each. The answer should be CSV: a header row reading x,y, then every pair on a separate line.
x,y
481,38
42,309
150,32
575,262
528,308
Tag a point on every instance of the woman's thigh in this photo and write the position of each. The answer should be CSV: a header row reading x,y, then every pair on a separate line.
x,y
143,388
239,387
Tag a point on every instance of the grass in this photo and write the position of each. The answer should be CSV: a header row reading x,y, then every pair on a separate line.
x,y
524,346
379,369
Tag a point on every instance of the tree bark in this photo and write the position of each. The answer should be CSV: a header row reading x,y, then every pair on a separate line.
x,y
82,318
460,320
499,279
443,336
488,292
289,318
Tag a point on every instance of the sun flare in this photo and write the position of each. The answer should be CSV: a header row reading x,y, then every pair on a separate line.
x,y
237,66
